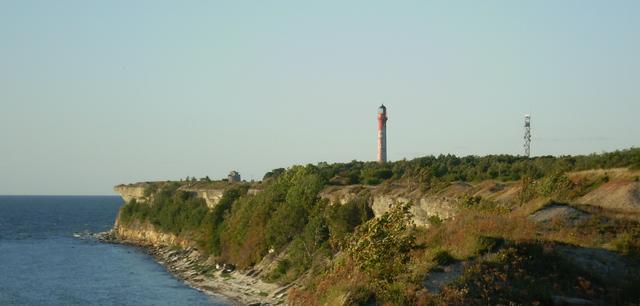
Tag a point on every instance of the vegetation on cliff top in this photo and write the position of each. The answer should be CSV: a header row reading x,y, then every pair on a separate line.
x,y
429,171
354,259
286,215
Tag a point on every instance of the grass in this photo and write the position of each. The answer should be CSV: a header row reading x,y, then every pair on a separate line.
x,y
627,244
469,233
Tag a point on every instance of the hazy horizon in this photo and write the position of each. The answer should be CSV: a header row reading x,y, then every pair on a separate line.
x,y
95,94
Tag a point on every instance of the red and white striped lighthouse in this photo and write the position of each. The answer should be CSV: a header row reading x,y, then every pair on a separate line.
x,y
382,134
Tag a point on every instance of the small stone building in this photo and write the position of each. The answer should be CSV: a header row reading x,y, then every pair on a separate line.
x,y
234,176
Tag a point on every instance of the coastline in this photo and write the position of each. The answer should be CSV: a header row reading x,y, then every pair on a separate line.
x,y
239,287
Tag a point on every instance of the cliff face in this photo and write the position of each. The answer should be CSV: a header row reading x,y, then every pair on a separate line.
x,y
130,192
422,209
383,197
187,262
211,196
381,200
137,191
146,234
442,204
621,193
614,191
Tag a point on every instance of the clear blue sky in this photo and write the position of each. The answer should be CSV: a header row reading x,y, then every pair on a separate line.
x,y
96,93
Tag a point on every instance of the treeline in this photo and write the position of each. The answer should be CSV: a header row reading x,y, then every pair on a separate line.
x,y
431,170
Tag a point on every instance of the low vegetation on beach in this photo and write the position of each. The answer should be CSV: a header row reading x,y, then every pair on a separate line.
x,y
562,229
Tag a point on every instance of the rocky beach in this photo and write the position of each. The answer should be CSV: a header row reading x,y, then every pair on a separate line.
x,y
197,271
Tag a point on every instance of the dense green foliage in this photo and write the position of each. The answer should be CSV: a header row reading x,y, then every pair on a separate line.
x,y
288,209
212,225
172,210
306,232
182,213
287,215
431,170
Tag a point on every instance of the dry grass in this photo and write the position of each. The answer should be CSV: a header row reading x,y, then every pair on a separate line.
x,y
340,284
614,173
476,231
463,236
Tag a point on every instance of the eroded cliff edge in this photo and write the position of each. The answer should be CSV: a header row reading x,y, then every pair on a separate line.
x,y
615,191
180,255
425,205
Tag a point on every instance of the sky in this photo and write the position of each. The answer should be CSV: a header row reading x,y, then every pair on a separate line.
x,y
98,93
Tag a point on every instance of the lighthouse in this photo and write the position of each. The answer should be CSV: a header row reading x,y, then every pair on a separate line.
x,y
382,134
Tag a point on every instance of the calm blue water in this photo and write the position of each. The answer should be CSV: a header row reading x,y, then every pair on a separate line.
x,y
42,263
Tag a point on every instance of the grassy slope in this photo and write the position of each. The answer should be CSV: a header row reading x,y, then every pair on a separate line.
x,y
509,258
505,255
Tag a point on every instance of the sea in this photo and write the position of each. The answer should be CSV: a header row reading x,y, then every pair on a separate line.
x,y
48,256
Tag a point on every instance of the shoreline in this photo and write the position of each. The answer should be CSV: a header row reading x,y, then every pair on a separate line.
x,y
239,287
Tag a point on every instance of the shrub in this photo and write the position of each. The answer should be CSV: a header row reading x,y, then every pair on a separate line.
x,y
520,274
434,220
443,258
343,219
380,247
478,203
486,244
627,245
557,185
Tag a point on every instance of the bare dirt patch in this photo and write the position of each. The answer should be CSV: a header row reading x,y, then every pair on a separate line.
x,y
559,212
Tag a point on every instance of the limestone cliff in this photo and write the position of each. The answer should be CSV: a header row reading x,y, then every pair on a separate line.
x,y
210,194
442,203
146,234
381,198
621,193
132,191
197,269
425,205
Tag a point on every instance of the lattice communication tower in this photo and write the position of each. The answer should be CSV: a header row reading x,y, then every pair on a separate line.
x,y
527,135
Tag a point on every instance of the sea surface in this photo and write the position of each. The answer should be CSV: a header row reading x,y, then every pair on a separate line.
x,y
48,257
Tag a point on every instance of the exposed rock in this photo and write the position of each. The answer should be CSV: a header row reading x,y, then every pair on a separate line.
x,y
130,192
607,265
559,300
501,192
146,234
211,196
343,194
253,191
559,212
619,195
442,276
184,261
422,209
383,197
